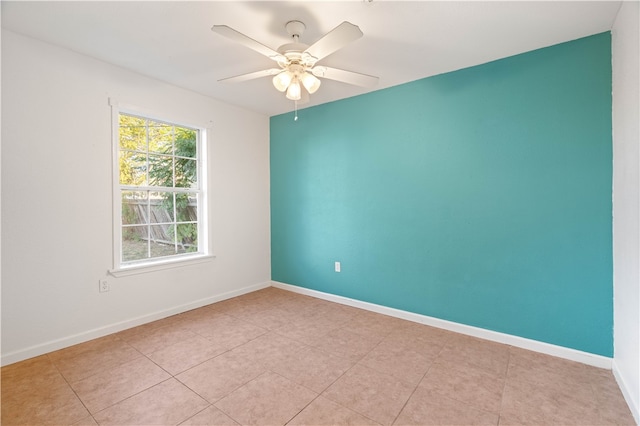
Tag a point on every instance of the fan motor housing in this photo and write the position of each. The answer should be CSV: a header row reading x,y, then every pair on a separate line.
x,y
292,48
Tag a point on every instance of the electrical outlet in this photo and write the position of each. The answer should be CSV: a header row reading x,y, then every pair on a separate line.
x,y
104,286
337,266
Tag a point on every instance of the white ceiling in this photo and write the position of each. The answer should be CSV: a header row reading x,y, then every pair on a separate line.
x,y
403,41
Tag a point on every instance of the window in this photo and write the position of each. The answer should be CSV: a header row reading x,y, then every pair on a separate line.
x,y
160,195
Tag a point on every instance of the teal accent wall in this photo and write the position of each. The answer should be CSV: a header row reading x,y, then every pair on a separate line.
x,y
480,196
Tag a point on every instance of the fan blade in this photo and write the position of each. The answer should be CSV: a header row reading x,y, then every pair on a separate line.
x,y
344,76
334,40
251,75
238,37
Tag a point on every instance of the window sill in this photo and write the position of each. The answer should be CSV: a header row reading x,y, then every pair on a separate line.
x,y
142,268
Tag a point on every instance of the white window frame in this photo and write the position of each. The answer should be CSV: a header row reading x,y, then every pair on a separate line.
x,y
121,268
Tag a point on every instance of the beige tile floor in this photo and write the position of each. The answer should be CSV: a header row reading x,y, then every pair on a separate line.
x,y
274,357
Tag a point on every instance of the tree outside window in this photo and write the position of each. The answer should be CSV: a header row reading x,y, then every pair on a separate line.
x,y
159,188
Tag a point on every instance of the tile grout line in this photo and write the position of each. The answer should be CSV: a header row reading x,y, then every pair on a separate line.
x,y
71,388
340,376
504,386
501,395
417,385
195,414
303,408
131,396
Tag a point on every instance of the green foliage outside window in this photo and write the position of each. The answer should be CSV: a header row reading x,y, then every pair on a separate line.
x,y
156,154
185,173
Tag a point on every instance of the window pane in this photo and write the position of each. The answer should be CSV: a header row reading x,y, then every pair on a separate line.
x,y
156,162
187,237
133,133
160,170
161,207
161,138
186,207
186,142
134,207
134,243
162,240
186,173
133,168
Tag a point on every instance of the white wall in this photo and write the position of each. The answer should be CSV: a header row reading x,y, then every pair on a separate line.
x,y
56,200
626,193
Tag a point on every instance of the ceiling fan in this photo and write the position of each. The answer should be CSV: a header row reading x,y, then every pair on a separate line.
x,y
297,73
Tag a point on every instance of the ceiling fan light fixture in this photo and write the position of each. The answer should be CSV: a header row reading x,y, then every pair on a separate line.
x,y
297,61
293,92
310,82
282,80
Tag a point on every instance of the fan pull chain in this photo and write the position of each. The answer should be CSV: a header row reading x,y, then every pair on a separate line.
x,y
296,110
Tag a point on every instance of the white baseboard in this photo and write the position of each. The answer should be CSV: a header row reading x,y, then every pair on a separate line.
x,y
521,342
533,345
95,333
624,388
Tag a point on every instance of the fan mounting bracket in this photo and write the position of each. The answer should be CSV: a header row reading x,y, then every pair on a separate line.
x,y
295,28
